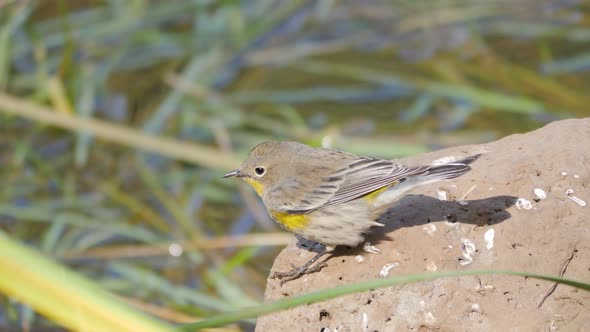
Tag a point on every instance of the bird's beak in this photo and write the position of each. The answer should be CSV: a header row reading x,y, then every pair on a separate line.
x,y
233,174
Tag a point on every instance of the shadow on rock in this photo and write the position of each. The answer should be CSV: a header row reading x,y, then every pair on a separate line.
x,y
415,210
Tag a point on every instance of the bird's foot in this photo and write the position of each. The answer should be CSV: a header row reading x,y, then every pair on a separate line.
x,y
297,272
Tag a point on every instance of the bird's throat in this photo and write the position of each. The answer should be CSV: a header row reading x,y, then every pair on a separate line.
x,y
256,185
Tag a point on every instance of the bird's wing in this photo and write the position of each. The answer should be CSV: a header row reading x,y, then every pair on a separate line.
x,y
360,177
369,174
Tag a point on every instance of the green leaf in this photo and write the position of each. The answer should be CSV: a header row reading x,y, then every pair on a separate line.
x,y
64,296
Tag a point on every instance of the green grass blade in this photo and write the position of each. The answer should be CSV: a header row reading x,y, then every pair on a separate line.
x,y
17,18
331,293
477,96
68,298
85,108
153,281
191,152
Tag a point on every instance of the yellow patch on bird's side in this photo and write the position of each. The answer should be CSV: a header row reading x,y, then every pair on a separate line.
x,y
291,222
255,184
370,197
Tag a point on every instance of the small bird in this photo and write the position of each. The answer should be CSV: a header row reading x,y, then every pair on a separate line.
x,y
330,196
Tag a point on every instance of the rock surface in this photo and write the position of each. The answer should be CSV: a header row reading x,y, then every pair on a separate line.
x,y
423,233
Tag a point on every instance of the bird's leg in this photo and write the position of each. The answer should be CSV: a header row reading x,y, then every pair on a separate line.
x,y
306,268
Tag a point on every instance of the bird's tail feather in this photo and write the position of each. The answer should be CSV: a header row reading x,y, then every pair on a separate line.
x,y
436,173
450,170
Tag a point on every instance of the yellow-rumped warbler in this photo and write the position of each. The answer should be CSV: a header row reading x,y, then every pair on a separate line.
x,y
329,196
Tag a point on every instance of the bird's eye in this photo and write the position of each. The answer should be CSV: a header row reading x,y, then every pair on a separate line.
x,y
259,171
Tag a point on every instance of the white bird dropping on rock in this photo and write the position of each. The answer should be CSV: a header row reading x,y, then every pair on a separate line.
x,y
570,195
367,247
441,195
430,229
365,322
540,193
523,204
488,236
384,273
476,308
431,267
468,248
359,258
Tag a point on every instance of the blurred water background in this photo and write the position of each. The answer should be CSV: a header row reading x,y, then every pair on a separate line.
x,y
152,220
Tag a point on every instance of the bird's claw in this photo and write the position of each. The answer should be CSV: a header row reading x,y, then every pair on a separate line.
x,y
297,272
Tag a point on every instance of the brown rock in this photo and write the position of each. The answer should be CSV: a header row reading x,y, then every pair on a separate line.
x,y
423,234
